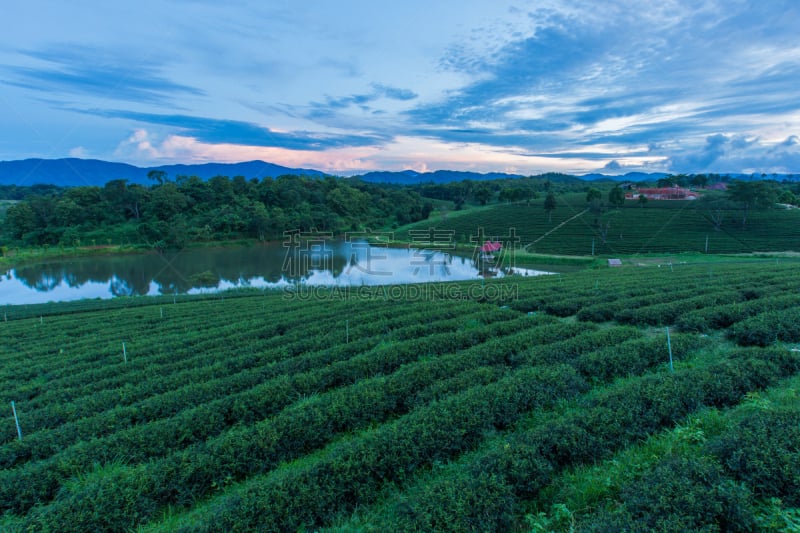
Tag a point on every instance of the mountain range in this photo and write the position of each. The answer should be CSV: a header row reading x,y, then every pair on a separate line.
x,y
76,172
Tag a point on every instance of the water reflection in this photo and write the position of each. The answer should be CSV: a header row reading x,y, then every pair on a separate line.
x,y
262,266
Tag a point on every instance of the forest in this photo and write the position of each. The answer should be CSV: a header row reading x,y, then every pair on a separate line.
x,y
170,214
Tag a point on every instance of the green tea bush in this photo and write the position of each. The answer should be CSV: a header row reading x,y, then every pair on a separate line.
x,y
762,450
678,494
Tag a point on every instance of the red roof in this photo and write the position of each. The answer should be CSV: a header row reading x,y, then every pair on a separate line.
x,y
665,190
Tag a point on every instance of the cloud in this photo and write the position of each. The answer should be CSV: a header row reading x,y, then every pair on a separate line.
x,y
139,147
332,106
217,131
585,77
792,140
552,84
79,151
704,158
393,93
118,75
145,148
738,154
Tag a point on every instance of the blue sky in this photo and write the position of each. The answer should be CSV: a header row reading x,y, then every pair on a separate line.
x,y
521,86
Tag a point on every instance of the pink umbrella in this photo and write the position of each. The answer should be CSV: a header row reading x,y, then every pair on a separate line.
x,y
490,246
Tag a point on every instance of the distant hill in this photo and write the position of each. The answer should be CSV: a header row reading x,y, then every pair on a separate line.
x,y
630,176
73,172
411,177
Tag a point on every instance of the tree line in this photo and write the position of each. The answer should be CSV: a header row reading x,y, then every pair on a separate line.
x,y
170,214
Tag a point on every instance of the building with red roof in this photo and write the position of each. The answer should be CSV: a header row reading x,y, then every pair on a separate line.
x,y
662,193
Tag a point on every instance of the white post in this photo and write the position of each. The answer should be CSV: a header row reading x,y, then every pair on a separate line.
x,y
41,319
669,347
592,247
162,312
706,243
124,353
16,420
347,331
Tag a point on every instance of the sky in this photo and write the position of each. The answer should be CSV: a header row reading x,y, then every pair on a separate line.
x,y
346,87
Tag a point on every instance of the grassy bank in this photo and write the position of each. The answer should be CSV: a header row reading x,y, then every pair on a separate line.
x,y
17,256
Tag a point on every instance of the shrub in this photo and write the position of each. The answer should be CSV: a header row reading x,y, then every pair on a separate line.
x,y
762,451
680,494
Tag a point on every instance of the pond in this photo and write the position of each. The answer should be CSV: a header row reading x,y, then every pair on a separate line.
x,y
272,265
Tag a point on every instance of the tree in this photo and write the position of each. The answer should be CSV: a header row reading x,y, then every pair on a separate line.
x,y
20,219
550,205
642,200
595,200
159,176
258,223
699,180
166,201
515,194
667,181
787,197
616,196
752,195
483,194
715,204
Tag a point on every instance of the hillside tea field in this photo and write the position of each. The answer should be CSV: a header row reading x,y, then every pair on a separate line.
x,y
661,227
495,407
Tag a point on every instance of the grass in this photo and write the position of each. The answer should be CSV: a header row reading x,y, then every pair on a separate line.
x,y
25,255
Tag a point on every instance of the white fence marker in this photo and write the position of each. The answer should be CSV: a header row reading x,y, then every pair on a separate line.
x,y
16,420
669,347
124,353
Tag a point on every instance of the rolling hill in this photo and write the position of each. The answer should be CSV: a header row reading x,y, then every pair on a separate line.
x,y
74,172
661,227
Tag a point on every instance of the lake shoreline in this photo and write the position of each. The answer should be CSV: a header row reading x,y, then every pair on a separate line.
x,y
20,256
26,256
101,273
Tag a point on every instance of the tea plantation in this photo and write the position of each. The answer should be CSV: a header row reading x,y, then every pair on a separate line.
x,y
605,400
661,227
